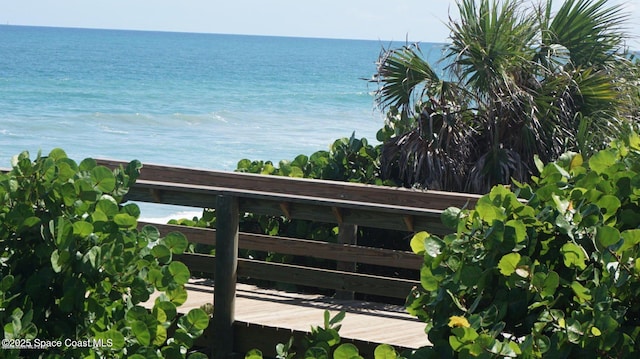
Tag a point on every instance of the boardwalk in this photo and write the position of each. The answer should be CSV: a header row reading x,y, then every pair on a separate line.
x,y
239,309
365,321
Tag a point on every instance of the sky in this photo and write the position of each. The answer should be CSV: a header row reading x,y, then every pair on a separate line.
x,y
397,20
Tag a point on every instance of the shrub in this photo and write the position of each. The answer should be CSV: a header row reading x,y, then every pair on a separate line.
x,y
324,343
75,269
550,269
349,160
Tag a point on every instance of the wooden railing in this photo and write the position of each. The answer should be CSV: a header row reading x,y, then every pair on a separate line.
x,y
347,204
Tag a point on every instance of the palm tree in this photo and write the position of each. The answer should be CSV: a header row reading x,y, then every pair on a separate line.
x,y
518,82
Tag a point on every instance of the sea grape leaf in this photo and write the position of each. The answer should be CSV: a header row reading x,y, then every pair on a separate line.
x,y
574,255
433,246
546,283
316,353
104,179
66,170
300,161
162,253
59,259
488,211
610,204
93,257
173,350
602,160
516,228
576,161
112,336
631,238
508,263
125,220
346,351
244,165
107,205
417,242
167,307
177,295
385,351
450,217
82,229
131,209
150,233
64,233
57,153
427,279
160,335
179,272
87,164
198,319
551,283
176,242
141,332
253,354
607,236
139,291
155,277
470,275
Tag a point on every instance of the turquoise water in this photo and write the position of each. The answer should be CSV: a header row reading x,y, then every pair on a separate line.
x,y
198,100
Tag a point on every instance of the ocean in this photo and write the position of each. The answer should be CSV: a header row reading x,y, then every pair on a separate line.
x,y
196,100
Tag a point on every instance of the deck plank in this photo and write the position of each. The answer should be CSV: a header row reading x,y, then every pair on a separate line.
x,y
365,321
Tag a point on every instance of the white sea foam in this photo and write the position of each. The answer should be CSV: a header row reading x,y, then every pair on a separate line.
x,y
166,219
163,217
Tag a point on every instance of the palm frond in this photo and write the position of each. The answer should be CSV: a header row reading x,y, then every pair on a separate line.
x,y
488,42
400,72
592,32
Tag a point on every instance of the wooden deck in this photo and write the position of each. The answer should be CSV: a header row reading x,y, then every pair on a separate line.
x,y
242,315
364,321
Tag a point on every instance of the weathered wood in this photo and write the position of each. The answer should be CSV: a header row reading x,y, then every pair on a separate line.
x,y
311,208
304,247
268,309
173,193
388,218
347,234
324,278
304,187
306,276
170,189
226,269
203,264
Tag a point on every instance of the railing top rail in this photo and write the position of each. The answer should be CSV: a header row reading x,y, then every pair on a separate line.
x,y
303,187
286,198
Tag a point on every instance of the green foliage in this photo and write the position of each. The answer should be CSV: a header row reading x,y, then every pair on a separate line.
x,y
548,270
322,343
349,160
75,268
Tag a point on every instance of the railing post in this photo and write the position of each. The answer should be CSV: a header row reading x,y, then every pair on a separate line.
x,y
347,234
227,218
